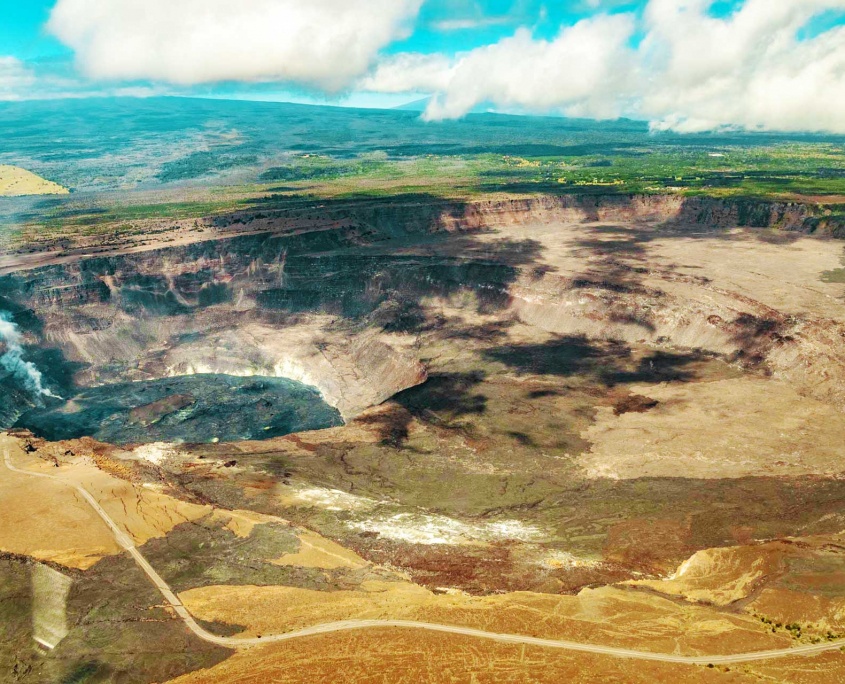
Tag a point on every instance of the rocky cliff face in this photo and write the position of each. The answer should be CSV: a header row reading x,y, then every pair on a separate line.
x,y
335,295
365,221
415,215
227,307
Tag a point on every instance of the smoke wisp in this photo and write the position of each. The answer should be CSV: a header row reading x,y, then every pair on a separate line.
x,y
12,360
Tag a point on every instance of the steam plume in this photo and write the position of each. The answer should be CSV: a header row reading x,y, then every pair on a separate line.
x,y
13,361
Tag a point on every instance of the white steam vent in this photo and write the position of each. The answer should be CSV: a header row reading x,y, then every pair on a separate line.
x,y
12,360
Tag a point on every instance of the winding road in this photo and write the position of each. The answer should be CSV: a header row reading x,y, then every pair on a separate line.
x,y
349,625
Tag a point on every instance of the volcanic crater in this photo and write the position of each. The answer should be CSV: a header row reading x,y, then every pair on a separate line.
x,y
495,395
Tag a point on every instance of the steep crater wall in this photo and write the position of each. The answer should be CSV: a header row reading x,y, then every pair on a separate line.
x,y
336,296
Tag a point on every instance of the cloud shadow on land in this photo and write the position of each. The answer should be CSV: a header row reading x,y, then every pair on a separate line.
x,y
389,255
445,394
610,363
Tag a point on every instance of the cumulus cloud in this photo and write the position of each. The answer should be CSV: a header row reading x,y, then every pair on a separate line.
x,y
689,72
675,63
325,43
579,69
749,70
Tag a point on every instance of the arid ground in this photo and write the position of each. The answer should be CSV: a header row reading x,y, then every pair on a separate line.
x,y
614,421
15,181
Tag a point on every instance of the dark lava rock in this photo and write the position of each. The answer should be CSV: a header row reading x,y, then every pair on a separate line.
x,y
635,403
194,408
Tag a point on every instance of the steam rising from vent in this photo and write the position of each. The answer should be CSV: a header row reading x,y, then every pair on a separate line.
x,y
13,360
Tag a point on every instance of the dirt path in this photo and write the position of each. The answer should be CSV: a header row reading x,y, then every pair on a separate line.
x,y
348,625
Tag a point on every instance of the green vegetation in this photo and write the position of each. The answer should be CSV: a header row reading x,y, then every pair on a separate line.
x,y
200,164
797,632
777,171
837,275
316,167
127,161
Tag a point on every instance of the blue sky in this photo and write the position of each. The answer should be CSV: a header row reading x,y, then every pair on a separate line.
x,y
437,29
682,64
21,30
447,26
442,26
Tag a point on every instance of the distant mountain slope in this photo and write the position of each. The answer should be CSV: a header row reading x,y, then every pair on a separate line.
x,y
125,143
415,106
110,143
17,182
422,105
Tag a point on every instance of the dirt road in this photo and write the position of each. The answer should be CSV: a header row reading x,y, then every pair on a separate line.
x,y
8,444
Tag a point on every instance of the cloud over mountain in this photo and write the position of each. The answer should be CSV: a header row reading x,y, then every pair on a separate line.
x,y
685,65
322,43
678,66
15,77
751,69
580,68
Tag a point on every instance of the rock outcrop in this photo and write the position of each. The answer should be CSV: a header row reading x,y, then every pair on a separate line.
x,y
334,295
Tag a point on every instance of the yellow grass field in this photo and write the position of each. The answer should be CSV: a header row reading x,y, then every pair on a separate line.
x,y
406,657
16,182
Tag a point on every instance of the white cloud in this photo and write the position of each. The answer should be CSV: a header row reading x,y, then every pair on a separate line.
x,y
20,81
749,70
327,43
673,64
408,72
577,69
15,78
690,72
468,24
